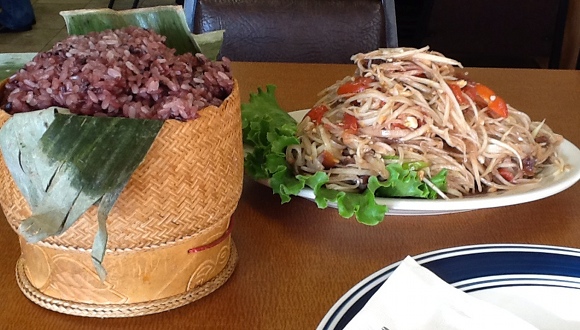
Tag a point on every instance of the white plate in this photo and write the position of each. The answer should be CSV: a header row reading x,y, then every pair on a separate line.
x,y
539,283
549,186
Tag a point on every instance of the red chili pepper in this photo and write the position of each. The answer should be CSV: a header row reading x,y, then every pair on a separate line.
x,y
350,123
352,87
317,113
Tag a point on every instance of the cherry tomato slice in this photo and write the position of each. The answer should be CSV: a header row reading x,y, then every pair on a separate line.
x,y
328,160
470,90
494,102
350,123
458,93
317,113
484,96
352,87
506,174
398,126
499,106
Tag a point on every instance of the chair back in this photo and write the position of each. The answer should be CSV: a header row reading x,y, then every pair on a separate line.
x,y
305,31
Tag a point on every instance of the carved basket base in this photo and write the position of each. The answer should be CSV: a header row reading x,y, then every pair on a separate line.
x,y
124,310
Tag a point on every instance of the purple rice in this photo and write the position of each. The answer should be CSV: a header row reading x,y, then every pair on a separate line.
x,y
128,72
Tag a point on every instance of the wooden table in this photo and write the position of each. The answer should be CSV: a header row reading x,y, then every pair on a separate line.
x,y
297,260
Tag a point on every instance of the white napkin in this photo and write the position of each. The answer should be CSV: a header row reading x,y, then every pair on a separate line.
x,y
415,298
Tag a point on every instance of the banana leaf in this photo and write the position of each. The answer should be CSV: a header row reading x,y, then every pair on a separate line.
x,y
169,21
64,163
10,63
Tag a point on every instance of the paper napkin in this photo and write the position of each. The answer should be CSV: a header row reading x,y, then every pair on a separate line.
x,y
415,298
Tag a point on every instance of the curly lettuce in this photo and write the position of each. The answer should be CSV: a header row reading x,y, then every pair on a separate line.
x,y
268,130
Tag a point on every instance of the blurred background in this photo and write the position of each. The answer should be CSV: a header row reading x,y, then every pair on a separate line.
x,y
497,33
50,27
480,33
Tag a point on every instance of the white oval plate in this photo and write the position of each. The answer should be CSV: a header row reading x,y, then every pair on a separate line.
x,y
548,186
539,283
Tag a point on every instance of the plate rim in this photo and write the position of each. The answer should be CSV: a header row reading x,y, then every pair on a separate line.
x,y
334,315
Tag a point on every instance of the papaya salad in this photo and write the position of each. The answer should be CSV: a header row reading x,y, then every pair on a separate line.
x,y
406,124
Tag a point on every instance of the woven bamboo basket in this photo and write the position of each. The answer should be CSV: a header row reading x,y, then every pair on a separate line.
x,y
169,232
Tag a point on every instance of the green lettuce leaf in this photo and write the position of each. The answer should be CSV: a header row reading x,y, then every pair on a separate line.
x,y
404,181
268,130
361,205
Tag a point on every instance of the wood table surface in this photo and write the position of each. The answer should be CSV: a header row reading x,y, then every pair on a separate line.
x,y
296,261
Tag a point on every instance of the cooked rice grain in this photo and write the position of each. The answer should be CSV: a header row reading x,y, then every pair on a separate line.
x,y
128,72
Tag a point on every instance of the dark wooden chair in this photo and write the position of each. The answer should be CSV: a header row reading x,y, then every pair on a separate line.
x,y
305,31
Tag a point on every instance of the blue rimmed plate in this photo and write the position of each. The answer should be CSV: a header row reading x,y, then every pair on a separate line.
x,y
539,283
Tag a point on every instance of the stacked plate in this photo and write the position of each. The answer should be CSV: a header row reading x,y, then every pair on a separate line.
x,y
539,283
